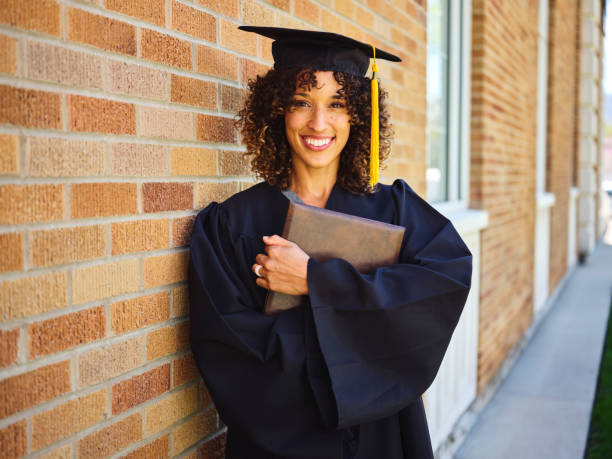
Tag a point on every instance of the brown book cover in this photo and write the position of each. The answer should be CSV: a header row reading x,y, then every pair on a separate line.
x,y
324,234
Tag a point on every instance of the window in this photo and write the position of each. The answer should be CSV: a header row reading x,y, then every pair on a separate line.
x,y
448,61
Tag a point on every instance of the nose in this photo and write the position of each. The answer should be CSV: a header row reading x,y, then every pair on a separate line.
x,y
318,120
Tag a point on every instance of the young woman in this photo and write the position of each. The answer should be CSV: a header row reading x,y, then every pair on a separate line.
x,y
342,375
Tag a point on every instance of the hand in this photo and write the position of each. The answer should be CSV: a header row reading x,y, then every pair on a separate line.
x,y
284,268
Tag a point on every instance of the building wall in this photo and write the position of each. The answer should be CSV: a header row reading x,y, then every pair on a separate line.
x,y
564,62
502,173
115,128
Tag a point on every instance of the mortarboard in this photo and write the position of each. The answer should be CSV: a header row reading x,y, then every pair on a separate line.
x,y
329,51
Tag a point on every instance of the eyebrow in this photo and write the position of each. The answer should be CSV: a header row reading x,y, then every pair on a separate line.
x,y
303,94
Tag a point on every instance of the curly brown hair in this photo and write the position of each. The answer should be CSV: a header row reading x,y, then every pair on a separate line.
x,y
262,125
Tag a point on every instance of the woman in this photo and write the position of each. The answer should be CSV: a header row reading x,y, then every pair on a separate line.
x,y
342,375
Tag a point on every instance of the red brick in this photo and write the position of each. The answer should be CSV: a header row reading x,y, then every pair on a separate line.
x,y
185,370
103,199
101,32
234,163
163,48
64,245
31,203
180,301
111,439
8,346
148,10
140,388
307,11
13,440
238,40
205,398
214,448
139,312
138,159
197,427
61,333
9,154
30,108
181,231
215,129
39,15
11,248
249,70
8,54
215,62
280,4
192,91
100,115
157,449
193,22
232,98
225,7
28,389
139,236
161,197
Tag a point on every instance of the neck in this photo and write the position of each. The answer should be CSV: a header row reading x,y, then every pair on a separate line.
x,y
313,186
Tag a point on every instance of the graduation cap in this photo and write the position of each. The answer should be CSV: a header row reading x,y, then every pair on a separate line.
x,y
329,51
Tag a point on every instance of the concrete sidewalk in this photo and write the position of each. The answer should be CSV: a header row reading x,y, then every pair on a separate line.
x,y
543,407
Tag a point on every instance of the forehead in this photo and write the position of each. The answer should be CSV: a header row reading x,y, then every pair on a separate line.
x,y
326,83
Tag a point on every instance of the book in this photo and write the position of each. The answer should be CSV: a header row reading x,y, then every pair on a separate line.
x,y
325,234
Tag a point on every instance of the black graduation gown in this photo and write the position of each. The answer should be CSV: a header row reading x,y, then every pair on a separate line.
x,y
343,375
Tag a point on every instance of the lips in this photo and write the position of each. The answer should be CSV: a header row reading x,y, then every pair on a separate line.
x,y
316,143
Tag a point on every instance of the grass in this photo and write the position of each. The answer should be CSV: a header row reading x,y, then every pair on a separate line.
x,y
599,442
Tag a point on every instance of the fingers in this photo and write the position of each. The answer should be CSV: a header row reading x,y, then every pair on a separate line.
x,y
277,240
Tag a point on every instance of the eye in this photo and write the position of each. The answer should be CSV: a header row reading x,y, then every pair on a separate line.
x,y
299,103
338,105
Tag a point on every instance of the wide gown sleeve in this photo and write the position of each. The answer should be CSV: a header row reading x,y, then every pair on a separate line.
x,y
383,335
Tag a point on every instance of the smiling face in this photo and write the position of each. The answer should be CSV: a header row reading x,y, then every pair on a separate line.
x,y
317,125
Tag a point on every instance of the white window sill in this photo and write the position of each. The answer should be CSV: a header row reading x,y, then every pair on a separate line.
x,y
464,219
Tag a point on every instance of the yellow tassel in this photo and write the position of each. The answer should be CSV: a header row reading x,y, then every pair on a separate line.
x,y
374,126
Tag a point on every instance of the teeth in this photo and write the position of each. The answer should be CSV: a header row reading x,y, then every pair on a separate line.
x,y
317,142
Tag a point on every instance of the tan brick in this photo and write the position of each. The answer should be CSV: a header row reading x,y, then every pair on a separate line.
x,y
307,10
39,15
137,80
163,48
165,269
345,7
101,32
8,346
33,387
153,11
265,49
205,398
191,91
217,63
174,407
139,236
184,370
181,230
111,439
139,312
9,154
31,203
157,448
138,159
254,13
168,340
57,157
13,440
61,333
196,428
68,418
249,70
209,192
105,362
237,40
11,248
30,108
180,301
226,7
30,296
65,245
63,452
193,22
232,99
280,4
100,115
103,199
215,129
193,161
61,65
101,281
234,163
167,124
8,54
161,197
140,388
213,448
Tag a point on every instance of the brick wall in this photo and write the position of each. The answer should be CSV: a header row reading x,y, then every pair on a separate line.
x,y
502,171
562,105
115,128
